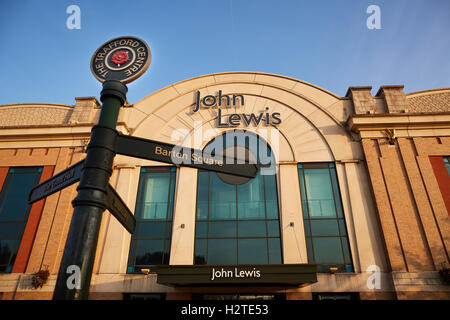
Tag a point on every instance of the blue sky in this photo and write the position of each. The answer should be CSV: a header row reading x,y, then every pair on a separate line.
x,y
326,43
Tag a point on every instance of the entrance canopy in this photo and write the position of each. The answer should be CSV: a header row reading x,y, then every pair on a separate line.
x,y
272,275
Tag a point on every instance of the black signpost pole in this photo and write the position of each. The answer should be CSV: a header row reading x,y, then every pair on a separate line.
x,y
90,202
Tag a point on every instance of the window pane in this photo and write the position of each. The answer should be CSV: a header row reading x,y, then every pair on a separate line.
x,y
310,250
149,252
202,187
324,228
303,193
166,256
307,228
171,194
273,228
151,230
328,250
157,187
447,164
345,246
319,193
202,195
222,229
271,196
251,210
271,187
201,229
272,209
337,193
305,208
223,199
251,199
154,211
252,229
200,252
168,234
274,251
11,230
156,195
14,194
132,255
202,210
6,250
342,227
253,251
222,251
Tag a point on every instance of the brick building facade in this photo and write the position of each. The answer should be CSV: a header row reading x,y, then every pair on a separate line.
x,y
391,191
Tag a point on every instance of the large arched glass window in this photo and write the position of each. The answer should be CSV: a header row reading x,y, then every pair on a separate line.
x,y
237,219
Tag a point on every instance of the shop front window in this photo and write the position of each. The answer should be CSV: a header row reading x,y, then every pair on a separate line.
x,y
325,229
14,211
150,244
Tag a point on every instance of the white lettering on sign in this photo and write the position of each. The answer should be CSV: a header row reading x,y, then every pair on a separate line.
x,y
178,157
235,273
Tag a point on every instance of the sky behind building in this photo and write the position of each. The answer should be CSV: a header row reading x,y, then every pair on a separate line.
x,y
326,43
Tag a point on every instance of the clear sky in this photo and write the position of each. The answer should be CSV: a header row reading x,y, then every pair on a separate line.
x,y
326,43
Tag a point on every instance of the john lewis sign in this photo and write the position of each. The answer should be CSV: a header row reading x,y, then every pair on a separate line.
x,y
218,273
210,275
220,101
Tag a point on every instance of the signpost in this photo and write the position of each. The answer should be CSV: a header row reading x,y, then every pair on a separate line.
x,y
116,62
119,209
169,153
63,179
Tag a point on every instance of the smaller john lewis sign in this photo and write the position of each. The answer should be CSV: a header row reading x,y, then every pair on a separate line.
x,y
267,274
234,273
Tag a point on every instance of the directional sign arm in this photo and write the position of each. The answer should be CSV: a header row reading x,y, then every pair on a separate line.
x,y
169,153
119,209
59,181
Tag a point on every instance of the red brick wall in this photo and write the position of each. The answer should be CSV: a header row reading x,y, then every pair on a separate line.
x,y
412,213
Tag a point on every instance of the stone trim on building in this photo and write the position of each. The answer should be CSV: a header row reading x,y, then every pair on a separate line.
x,y
395,210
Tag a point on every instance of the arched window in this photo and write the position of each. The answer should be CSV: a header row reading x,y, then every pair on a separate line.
x,y
237,220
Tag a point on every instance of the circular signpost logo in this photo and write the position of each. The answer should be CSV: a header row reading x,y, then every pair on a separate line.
x,y
124,59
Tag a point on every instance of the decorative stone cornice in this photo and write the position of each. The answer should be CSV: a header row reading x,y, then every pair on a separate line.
x,y
405,125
